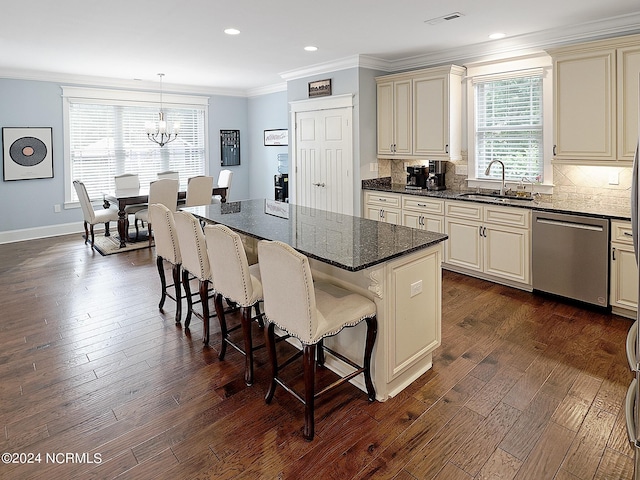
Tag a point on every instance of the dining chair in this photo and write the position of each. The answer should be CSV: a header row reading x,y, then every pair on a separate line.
x,y
92,216
199,191
167,250
169,174
224,180
309,312
238,283
195,262
129,181
163,191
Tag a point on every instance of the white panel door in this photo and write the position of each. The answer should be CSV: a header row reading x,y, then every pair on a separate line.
x,y
324,160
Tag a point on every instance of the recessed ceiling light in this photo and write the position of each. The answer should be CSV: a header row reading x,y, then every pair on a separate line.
x,y
310,48
497,36
232,31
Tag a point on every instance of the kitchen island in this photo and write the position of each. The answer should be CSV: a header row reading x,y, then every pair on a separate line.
x,y
397,267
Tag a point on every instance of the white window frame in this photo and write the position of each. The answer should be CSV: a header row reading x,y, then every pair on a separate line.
x,y
536,63
124,97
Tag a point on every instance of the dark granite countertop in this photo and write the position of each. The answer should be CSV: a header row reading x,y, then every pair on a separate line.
x,y
612,212
350,243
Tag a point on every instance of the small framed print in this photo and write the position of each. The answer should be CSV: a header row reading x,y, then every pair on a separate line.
x,y
278,137
320,88
27,153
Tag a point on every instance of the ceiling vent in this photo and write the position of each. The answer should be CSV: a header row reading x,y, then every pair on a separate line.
x,y
449,16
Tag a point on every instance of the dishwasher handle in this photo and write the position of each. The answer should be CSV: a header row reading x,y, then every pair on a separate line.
x,y
560,223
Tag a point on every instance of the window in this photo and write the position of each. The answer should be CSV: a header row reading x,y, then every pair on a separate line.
x,y
508,127
510,118
105,136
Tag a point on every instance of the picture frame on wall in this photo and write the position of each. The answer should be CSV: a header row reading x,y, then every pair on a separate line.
x,y
27,153
276,137
320,88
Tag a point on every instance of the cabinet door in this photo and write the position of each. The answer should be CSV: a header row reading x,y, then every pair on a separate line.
x,y
373,212
624,277
402,117
423,222
431,116
385,118
506,252
464,247
628,86
391,216
584,101
412,219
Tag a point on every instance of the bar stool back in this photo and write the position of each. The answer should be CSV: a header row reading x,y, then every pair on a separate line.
x,y
239,283
310,313
167,250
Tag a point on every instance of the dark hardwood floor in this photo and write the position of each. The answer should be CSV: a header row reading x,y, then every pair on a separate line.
x,y
522,387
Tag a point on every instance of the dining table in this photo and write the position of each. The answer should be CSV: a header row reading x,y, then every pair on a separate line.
x,y
140,196
397,267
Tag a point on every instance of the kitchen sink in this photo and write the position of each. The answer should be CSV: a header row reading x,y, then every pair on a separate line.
x,y
496,198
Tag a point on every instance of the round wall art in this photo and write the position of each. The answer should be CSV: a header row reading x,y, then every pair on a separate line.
x,y
27,153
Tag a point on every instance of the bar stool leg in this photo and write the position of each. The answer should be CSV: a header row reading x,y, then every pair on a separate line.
x,y
269,337
223,325
204,299
309,361
372,332
248,345
187,293
176,283
163,281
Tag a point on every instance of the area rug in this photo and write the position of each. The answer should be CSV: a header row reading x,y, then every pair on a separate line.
x,y
110,245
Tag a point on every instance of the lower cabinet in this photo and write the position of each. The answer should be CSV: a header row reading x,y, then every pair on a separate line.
x,y
623,295
423,213
384,207
491,240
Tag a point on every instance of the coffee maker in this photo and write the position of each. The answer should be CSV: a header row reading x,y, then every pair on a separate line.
x,y
435,178
417,177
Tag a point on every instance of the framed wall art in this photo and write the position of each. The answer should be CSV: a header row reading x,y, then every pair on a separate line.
x,y
320,88
276,137
27,153
229,147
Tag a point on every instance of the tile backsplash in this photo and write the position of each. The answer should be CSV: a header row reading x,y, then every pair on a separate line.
x,y
575,183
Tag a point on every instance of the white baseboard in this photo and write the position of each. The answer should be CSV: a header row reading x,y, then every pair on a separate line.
x,y
42,232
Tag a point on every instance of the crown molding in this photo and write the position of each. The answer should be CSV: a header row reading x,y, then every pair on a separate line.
x,y
255,92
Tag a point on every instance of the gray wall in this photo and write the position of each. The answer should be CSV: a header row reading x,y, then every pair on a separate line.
x,y
266,112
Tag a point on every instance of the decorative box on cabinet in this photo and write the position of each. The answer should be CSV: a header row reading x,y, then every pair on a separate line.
x,y
489,241
624,271
596,101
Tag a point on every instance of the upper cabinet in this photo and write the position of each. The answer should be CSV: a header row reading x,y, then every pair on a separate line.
x,y
596,101
419,114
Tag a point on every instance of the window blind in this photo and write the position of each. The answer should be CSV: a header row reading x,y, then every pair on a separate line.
x,y
108,138
508,127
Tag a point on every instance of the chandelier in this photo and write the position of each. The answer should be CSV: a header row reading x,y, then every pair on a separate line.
x,y
158,132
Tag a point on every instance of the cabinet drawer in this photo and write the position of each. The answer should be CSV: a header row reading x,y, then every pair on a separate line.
x,y
514,217
467,210
382,199
423,205
621,232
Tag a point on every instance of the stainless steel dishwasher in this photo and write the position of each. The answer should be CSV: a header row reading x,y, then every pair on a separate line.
x,y
570,257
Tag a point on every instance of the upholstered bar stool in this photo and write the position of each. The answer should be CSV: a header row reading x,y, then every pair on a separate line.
x,y
167,250
195,261
239,283
309,313
164,191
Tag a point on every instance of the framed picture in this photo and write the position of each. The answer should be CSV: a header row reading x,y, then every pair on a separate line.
x,y
27,153
276,137
320,88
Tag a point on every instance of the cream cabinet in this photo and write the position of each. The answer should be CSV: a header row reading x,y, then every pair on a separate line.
x,y
623,295
492,241
394,117
596,101
423,213
382,206
419,114
437,113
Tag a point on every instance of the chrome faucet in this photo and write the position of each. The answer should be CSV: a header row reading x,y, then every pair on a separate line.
x,y
486,172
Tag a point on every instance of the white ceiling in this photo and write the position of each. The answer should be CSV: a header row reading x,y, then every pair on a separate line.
x,y
125,40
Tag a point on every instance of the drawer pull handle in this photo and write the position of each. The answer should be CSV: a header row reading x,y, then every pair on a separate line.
x,y
422,204
628,234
